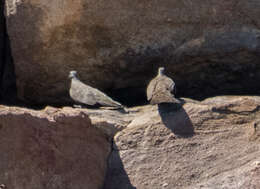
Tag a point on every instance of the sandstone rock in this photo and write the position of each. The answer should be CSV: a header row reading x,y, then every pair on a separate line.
x,y
201,145
209,47
244,176
254,131
108,121
53,148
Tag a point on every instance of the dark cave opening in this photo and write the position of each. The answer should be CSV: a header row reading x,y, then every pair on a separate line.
x,y
201,82
7,73
129,96
198,79
214,68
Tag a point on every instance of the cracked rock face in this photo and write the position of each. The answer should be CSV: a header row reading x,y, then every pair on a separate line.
x,y
118,45
53,148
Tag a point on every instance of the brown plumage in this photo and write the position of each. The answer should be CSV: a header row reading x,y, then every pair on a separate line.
x,y
161,89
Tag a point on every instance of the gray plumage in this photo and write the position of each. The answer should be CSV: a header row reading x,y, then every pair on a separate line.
x,y
88,95
161,89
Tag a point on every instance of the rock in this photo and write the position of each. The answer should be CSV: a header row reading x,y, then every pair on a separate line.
x,y
113,43
205,144
229,58
53,148
108,121
202,145
254,131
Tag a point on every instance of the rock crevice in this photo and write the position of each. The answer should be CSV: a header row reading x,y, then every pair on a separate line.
x,y
7,75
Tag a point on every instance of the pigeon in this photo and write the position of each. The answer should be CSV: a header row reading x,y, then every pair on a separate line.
x,y
89,96
161,89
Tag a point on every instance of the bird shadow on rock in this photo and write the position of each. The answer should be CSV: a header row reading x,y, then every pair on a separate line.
x,y
116,176
175,118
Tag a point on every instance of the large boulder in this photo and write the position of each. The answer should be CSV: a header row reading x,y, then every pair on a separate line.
x,y
209,144
53,148
117,45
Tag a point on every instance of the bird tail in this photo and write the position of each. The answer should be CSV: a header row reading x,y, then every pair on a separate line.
x,y
116,104
109,102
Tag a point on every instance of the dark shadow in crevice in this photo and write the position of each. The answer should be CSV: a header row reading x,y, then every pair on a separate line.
x,y
130,97
176,119
8,91
116,176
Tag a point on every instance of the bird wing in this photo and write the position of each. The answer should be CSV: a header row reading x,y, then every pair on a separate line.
x,y
168,83
150,88
82,93
163,89
104,100
85,94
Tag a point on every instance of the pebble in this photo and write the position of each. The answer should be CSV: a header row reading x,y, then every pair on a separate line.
x,y
165,184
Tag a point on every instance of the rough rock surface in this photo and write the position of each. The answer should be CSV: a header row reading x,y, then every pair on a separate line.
x,y
208,144
117,45
51,149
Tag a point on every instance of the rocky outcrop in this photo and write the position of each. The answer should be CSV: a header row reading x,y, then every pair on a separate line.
x,y
53,148
208,144
209,47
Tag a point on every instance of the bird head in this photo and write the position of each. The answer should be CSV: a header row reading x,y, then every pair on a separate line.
x,y
73,74
161,71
